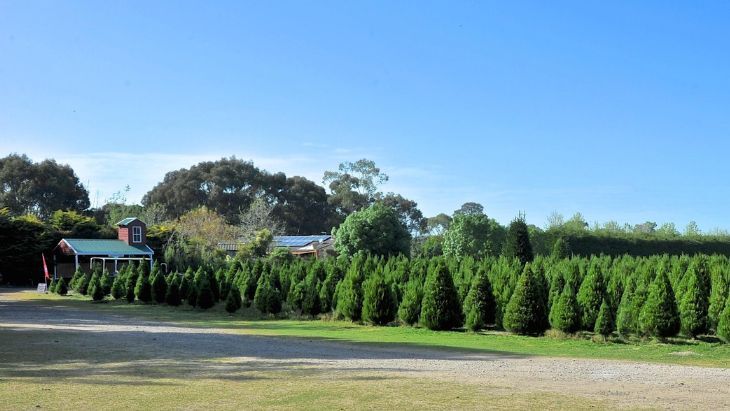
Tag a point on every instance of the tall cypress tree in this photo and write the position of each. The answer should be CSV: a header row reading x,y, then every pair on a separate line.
x,y
517,244
723,326
627,316
440,308
718,295
693,306
379,302
590,297
526,311
349,291
159,287
479,304
604,322
267,298
410,308
143,289
565,314
659,315
172,295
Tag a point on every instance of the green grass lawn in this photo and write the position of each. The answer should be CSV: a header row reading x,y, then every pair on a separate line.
x,y
676,351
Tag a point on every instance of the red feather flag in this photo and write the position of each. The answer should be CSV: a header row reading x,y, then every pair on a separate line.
x,y
45,267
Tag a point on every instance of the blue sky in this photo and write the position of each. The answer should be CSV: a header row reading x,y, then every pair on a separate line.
x,y
619,110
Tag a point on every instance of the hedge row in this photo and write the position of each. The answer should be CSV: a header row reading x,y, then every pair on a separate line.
x,y
657,296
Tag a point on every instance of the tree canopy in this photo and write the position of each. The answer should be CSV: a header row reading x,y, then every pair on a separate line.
x,y
376,230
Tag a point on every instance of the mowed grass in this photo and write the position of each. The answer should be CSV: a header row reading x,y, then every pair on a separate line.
x,y
49,368
710,352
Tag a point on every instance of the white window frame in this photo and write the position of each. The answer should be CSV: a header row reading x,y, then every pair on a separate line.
x,y
136,234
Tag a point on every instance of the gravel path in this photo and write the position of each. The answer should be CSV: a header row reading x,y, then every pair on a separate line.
x,y
623,384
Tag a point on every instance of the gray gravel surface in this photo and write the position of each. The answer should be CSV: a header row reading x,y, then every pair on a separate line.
x,y
623,384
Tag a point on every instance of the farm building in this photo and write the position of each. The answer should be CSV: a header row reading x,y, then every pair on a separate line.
x,y
316,246
130,245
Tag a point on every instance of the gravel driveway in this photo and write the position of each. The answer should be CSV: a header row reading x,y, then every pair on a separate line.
x,y
623,384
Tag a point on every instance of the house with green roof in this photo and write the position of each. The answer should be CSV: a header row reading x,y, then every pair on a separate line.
x,y
131,245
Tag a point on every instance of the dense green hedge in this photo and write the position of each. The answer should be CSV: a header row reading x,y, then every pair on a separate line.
x,y
645,296
591,244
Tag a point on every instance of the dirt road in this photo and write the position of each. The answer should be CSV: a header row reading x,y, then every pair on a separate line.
x,y
124,339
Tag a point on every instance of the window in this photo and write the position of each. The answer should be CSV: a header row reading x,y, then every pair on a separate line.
x,y
137,234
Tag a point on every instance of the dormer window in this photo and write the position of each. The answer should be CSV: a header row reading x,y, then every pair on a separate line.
x,y
136,234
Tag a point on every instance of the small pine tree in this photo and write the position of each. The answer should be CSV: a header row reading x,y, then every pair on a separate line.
x,y
158,287
143,290
565,314
96,289
172,296
206,298
723,326
52,286
61,287
349,291
118,290
233,300
561,249
78,274
82,285
131,282
590,297
659,316
604,322
627,316
106,282
410,308
379,304
693,307
310,295
267,298
717,299
94,282
479,305
517,244
440,308
526,312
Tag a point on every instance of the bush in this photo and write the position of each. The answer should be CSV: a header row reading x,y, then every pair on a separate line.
x,y
96,289
349,291
723,327
379,304
409,310
627,316
526,312
267,298
205,298
693,307
172,296
130,284
659,316
82,285
61,287
118,290
479,305
159,288
106,282
143,290
565,314
440,308
604,322
233,300
718,296
590,297
310,295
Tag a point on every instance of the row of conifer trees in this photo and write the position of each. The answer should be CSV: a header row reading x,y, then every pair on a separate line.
x,y
658,296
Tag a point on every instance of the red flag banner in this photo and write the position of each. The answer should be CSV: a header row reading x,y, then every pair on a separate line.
x,y
45,267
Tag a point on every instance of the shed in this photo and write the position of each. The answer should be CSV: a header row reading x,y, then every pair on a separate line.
x,y
73,253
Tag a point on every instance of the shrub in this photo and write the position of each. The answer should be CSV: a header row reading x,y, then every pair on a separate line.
x,y
379,304
349,291
718,296
565,314
526,312
52,286
267,298
479,304
310,295
693,307
61,287
604,322
130,284
143,290
78,274
440,308
159,288
410,308
96,289
659,316
172,296
723,327
106,282
233,300
205,298
82,285
590,297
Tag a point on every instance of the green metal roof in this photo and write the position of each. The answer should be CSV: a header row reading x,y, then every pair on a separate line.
x,y
106,247
127,220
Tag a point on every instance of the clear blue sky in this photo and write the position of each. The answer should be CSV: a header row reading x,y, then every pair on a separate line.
x,y
618,110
